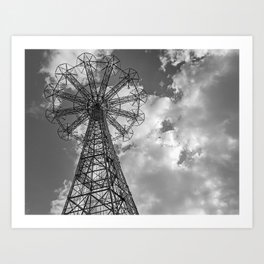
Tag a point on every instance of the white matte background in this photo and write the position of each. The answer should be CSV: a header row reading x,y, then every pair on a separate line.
x,y
120,17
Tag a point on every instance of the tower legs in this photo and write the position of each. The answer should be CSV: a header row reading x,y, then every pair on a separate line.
x,y
99,186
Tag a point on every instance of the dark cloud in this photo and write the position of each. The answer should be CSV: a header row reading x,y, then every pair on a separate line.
x,y
166,126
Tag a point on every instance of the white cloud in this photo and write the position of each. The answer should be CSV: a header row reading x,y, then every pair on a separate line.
x,y
178,57
35,110
53,58
193,168
57,204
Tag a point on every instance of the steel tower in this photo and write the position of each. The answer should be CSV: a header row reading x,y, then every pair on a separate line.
x,y
88,101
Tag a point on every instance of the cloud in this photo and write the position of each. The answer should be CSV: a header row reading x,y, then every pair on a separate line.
x,y
166,126
179,57
58,204
192,169
35,110
53,58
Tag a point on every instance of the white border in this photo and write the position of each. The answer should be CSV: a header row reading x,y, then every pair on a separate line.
x,y
20,220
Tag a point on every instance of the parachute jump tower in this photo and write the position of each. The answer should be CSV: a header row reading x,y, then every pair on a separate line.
x,y
96,102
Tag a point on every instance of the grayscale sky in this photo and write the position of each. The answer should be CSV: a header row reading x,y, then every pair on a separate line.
x,y
184,159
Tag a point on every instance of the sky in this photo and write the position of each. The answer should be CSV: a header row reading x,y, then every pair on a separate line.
x,y
184,159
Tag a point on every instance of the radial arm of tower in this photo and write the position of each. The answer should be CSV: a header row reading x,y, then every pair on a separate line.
x,y
70,97
90,78
105,80
78,85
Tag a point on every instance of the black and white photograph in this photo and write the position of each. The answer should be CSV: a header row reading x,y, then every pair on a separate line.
x,y
132,132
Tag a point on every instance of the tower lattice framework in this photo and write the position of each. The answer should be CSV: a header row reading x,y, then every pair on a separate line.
x,y
88,101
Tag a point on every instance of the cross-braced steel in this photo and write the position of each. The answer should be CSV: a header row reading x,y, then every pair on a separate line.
x,y
84,101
